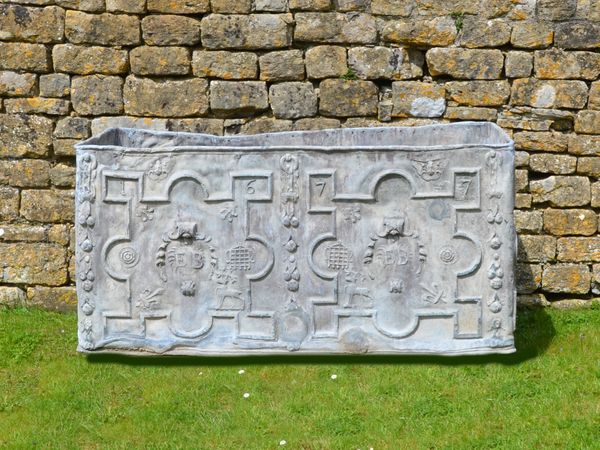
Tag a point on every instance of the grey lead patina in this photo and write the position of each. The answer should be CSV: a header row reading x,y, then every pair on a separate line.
x,y
387,240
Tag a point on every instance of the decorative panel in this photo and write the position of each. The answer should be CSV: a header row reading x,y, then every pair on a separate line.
x,y
394,240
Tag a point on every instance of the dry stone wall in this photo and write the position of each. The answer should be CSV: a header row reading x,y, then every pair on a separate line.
x,y
69,68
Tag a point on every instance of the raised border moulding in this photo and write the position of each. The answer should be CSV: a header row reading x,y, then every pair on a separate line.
x,y
369,240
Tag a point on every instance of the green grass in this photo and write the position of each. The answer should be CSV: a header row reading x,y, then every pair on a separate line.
x,y
547,395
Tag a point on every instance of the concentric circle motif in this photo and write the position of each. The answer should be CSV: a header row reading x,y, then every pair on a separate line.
x,y
448,255
129,256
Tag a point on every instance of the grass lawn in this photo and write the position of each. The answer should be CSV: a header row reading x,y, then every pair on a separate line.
x,y
547,395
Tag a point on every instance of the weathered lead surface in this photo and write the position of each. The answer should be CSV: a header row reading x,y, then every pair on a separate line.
x,y
392,240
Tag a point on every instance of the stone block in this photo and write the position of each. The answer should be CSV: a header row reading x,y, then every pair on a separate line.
x,y
549,93
522,200
561,191
12,296
310,5
178,6
566,279
589,166
401,8
126,6
521,180
418,99
587,122
528,278
479,93
324,123
33,263
439,31
21,56
62,175
265,125
165,98
577,35
556,9
82,60
562,222
347,98
445,8
247,32
543,141
203,125
231,6
170,30
558,64
9,204
72,127
30,24
467,113
64,147
351,5
532,35
59,234
22,135
371,63
521,158
536,248
518,64
22,233
477,32
37,105
225,65
270,5
465,63
595,202
55,85
82,5
151,60
13,84
102,29
97,94
25,172
335,28
100,124
61,299
594,98
552,163
43,205
283,65
326,61
230,98
528,221
293,100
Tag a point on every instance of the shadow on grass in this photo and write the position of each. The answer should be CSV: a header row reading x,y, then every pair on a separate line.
x,y
534,334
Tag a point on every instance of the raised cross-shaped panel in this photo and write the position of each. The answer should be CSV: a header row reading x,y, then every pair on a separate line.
x,y
190,244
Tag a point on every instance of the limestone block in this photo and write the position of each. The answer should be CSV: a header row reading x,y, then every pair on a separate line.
x,y
552,163
33,263
479,93
225,65
21,56
536,248
518,64
561,191
549,93
30,24
566,279
102,29
247,32
335,28
151,60
165,98
282,65
347,98
293,100
465,63
418,99
43,205
55,85
230,99
13,84
561,222
24,135
82,60
97,94
178,6
531,35
170,30
587,122
558,64
326,61
439,31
